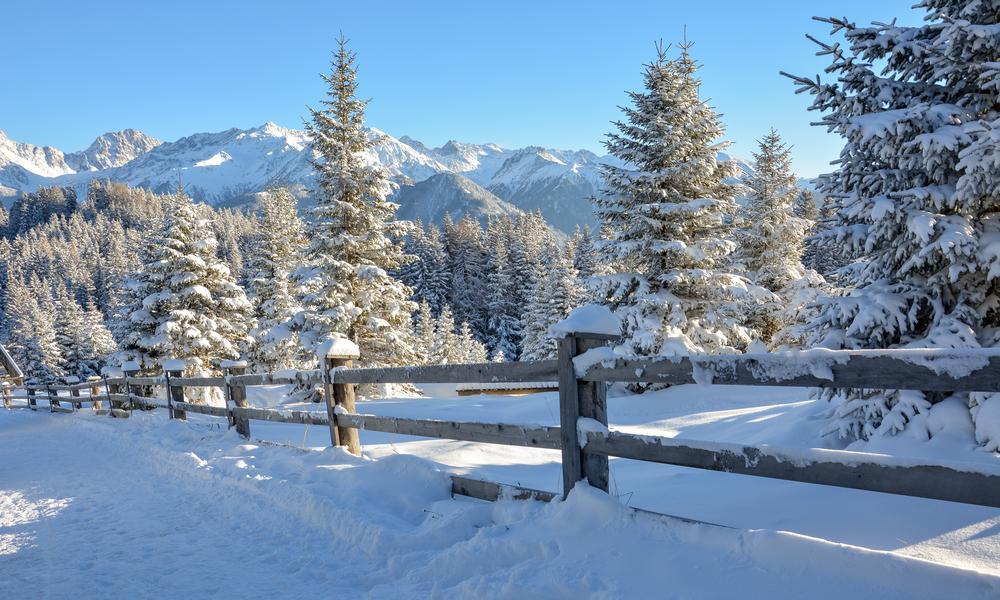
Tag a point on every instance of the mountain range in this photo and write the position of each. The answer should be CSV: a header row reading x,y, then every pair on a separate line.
x,y
229,167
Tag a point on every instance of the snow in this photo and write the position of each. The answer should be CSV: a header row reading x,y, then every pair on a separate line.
x,y
338,347
259,521
988,422
174,364
590,318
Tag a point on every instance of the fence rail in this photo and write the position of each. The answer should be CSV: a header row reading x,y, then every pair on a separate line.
x,y
583,369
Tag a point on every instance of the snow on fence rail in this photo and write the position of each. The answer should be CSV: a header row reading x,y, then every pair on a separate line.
x,y
584,366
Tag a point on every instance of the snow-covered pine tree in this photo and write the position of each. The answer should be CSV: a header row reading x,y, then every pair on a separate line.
x,y
553,297
467,262
446,347
916,187
665,216
470,350
584,260
70,334
192,308
770,237
805,206
423,333
276,248
504,318
428,275
31,329
354,237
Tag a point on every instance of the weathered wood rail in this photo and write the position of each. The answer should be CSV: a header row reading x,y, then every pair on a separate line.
x,y
583,369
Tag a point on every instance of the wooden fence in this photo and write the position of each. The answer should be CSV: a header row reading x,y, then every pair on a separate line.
x,y
582,435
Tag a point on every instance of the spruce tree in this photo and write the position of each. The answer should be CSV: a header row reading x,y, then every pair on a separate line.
x,y
354,237
771,236
275,250
916,193
192,309
553,297
666,216
424,334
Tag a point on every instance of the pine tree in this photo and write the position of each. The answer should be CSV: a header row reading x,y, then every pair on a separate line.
x,y
504,317
771,236
666,216
447,348
276,247
916,192
428,275
31,330
191,307
467,263
424,334
353,235
552,299
470,350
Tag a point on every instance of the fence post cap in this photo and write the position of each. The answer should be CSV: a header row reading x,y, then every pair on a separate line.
x,y
173,364
589,321
338,347
112,372
131,366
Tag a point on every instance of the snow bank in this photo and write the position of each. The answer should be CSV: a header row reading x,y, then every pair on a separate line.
x,y
402,534
590,318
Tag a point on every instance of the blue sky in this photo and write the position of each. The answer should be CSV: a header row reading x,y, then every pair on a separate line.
x,y
515,73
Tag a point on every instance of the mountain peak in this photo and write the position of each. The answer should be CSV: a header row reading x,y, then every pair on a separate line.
x,y
112,149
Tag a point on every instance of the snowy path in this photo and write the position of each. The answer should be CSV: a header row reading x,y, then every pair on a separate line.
x,y
102,508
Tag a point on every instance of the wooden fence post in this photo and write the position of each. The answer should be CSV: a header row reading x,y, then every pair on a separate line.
x,y
95,391
340,396
29,389
580,399
53,397
75,393
6,394
131,369
237,393
114,388
175,393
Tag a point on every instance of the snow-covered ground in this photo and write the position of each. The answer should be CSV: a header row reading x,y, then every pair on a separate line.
x,y
92,506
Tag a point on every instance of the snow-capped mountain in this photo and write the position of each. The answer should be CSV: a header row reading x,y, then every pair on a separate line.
x,y
229,167
113,149
23,165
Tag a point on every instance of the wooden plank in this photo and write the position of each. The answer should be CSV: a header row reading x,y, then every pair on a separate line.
x,y
544,370
486,433
145,402
198,381
204,409
870,369
491,491
299,417
854,470
138,381
304,377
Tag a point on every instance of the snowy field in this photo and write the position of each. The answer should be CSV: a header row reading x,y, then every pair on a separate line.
x,y
95,507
